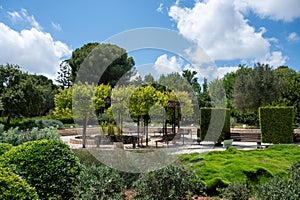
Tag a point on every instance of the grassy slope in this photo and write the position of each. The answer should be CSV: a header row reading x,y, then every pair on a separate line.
x,y
232,165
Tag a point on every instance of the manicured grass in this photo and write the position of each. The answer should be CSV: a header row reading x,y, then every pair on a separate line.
x,y
219,168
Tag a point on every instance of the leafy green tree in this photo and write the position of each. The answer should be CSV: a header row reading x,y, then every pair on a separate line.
x,y
63,104
204,97
24,94
217,93
142,100
290,96
86,99
109,60
190,77
148,79
256,87
120,101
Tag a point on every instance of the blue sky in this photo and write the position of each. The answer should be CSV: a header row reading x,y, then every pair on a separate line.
x,y
37,35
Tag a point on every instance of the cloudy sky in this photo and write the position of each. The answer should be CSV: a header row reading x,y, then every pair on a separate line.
x,y
37,35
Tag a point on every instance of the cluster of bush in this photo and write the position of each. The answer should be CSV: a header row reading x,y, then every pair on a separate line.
x,y
15,136
274,189
44,169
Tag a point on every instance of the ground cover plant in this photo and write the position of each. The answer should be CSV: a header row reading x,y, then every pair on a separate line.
x,y
220,168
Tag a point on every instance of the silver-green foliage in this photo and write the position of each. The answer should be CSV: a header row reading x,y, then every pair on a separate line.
x,y
15,137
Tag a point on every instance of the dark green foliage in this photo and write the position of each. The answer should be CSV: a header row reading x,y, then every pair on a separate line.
x,y
257,176
40,124
171,182
104,63
276,124
99,182
15,137
282,188
294,171
4,147
214,124
279,188
48,165
85,157
14,187
236,191
215,185
255,87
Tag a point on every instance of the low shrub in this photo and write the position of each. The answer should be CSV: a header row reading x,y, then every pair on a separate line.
x,y
235,191
15,137
279,188
14,187
40,124
171,182
48,165
99,182
282,188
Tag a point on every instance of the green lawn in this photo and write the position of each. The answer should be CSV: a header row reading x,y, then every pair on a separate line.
x,y
219,168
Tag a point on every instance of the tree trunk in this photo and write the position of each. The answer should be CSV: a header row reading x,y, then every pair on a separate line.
x,y
85,121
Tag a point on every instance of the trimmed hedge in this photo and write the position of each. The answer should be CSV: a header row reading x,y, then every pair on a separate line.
x,y
48,165
14,187
276,124
214,124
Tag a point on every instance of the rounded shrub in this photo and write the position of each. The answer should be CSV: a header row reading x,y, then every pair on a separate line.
x,y
171,182
236,191
14,187
48,165
99,182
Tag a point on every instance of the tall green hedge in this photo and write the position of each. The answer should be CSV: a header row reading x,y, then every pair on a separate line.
x,y
214,124
276,124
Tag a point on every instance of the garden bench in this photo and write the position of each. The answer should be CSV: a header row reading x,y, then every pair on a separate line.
x,y
167,138
244,136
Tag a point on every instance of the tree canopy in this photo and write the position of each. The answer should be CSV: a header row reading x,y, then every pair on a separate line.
x,y
101,63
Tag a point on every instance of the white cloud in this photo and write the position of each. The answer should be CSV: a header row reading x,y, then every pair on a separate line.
x,y
220,29
286,10
274,59
56,26
24,17
165,65
160,8
33,50
222,71
293,37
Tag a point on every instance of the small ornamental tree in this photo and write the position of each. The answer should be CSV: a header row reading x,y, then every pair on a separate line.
x,y
14,187
214,124
48,165
276,124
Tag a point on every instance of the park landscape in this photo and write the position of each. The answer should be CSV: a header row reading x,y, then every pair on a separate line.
x,y
36,114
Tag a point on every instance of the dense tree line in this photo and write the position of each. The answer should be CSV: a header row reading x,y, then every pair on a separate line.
x,y
28,95
23,94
